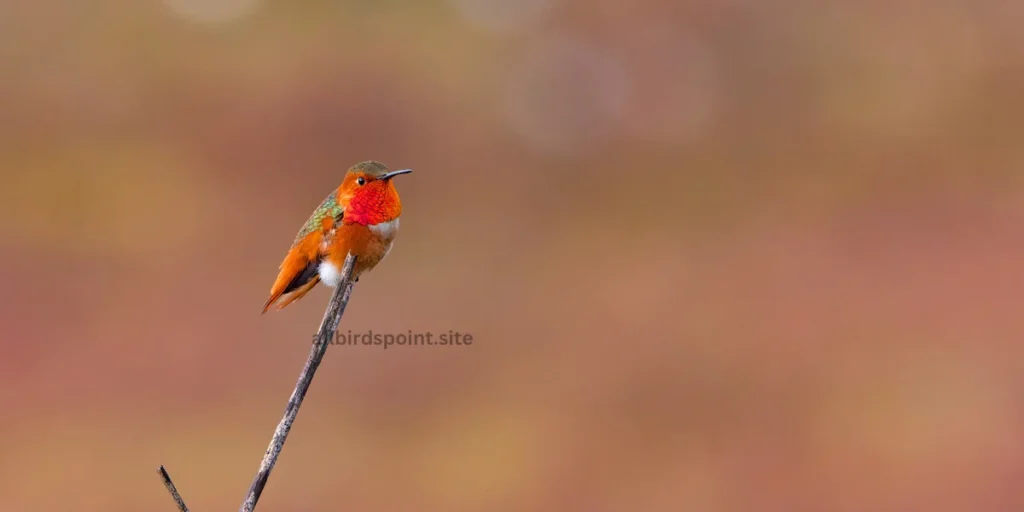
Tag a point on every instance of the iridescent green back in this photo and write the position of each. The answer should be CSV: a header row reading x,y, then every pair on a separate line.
x,y
328,208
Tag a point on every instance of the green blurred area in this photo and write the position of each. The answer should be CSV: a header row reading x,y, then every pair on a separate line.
x,y
715,256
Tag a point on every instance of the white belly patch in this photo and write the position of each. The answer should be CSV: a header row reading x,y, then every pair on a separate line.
x,y
330,274
386,230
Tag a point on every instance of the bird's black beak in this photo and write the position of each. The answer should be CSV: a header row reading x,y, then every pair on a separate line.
x,y
392,174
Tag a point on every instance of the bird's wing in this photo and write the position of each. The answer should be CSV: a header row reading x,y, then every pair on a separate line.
x,y
298,272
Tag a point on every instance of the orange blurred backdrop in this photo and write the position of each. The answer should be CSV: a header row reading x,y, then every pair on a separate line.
x,y
714,256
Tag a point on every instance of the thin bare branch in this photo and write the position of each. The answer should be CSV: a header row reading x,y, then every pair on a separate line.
x,y
172,489
335,308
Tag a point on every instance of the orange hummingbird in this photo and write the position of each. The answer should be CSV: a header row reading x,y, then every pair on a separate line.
x,y
360,216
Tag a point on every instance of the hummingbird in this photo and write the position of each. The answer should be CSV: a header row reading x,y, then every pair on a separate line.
x,y
360,216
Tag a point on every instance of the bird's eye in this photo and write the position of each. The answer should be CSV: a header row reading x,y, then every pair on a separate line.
x,y
361,181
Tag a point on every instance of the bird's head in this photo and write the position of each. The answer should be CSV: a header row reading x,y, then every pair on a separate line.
x,y
369,194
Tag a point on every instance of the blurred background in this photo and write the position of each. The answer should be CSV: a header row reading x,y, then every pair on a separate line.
x,y
715,255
